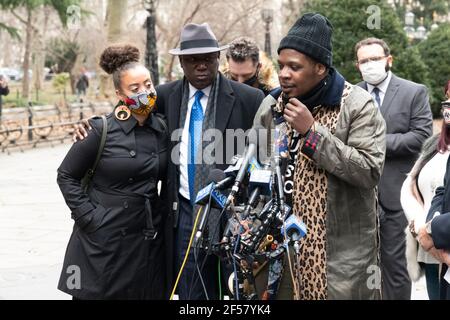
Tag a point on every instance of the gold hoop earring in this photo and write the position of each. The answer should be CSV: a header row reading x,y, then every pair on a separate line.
x,y
122,113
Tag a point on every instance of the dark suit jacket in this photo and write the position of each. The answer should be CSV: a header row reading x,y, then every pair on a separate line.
x,y
409,122
236,107
440,227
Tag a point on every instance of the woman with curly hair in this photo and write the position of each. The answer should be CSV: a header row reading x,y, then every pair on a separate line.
x,y
116,250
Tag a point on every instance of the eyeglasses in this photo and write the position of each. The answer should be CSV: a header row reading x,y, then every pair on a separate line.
x,y
362,61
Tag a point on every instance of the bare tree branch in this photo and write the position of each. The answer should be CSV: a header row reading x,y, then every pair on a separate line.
x,y
18,17
193,14
176,37
246,13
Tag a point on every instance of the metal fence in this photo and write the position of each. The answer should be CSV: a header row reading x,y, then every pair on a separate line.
x,y
34,125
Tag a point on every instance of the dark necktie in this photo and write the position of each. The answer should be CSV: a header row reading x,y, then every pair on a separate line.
x,y
376,91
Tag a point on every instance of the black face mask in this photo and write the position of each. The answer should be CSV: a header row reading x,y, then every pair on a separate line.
x,y
251,81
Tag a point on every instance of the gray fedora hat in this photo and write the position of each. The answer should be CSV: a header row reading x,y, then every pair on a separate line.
x,y
197,39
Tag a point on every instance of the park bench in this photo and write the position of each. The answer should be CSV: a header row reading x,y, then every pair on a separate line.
x,y
11,128
78,110
99,108
32,125
43,119
46,123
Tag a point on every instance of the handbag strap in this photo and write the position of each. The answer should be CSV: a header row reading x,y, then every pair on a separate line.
x,y
91,171
102,143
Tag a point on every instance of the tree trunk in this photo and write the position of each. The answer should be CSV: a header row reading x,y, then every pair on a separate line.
x,y
26,58
115,14
39,53
115,19
170,68
151,54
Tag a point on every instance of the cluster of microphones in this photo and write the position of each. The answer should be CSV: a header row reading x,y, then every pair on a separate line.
x,y
257,224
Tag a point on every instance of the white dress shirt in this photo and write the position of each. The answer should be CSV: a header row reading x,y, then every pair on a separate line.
x,y
184,184
383,86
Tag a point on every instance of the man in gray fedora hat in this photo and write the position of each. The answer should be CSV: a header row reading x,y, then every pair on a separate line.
x,y
204,99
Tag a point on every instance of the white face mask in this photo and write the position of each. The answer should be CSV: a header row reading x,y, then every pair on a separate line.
x,y
373,72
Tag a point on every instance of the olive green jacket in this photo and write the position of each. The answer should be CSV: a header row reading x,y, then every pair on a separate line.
x,y
353,158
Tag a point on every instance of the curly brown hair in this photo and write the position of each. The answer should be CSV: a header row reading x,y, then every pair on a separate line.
x,y
118,58
241,49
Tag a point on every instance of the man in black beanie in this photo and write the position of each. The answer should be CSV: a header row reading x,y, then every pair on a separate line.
x,y
336,147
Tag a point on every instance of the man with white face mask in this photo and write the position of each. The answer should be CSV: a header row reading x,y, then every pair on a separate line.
x,y
405,108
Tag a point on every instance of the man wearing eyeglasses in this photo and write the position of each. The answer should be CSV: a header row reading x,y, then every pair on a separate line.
x,y
405,108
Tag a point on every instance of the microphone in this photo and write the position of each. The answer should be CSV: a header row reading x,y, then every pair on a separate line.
x,y
280,146
242,170
217,198
209,196
222,181
241,173
261,184
262,179
295,230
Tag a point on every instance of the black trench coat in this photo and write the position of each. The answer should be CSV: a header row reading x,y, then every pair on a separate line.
x,y
111,253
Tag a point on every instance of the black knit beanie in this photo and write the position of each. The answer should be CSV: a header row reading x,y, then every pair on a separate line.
x,y
311,35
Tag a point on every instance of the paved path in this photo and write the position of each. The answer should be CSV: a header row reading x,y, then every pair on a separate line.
x,y
35,225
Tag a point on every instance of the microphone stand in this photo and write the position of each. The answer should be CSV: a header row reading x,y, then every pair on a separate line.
x,y
244,249
276,257
197,244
